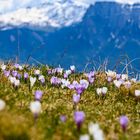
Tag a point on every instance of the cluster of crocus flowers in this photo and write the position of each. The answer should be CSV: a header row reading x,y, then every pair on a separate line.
x,y
101,91
14,81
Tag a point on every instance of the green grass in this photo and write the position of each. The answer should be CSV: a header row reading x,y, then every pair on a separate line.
x,y
17,122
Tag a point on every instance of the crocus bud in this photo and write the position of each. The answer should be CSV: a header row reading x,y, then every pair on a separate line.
x,y
124,122
35,107
76,98
38,95
32,81
79,117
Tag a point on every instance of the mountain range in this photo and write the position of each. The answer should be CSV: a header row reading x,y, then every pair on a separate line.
x,y
86,34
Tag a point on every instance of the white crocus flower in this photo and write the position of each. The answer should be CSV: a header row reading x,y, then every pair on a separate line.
x,y
35,107
95,131
3,67
124,77
12,79
37,72
99,91
20,67
137,93
104,90
68,72
84,83
32,81
72,68
41,77
111,74
2,104
84,137
65,83
117,83
16,82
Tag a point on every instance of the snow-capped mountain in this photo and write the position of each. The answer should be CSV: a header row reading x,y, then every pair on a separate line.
x,y
95,32
45,15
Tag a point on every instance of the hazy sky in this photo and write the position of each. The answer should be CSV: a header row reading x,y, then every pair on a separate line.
x,y
7,5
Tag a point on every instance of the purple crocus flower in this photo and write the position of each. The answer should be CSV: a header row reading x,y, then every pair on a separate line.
x,y
124,122
16,66
91,80
65,75
14,73
79,89
79,117
38,95
49,72
76,98
26,75
55,80
118,76
63,118
6,73
18,75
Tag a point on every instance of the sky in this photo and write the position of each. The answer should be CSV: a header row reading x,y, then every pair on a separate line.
x,y
8,5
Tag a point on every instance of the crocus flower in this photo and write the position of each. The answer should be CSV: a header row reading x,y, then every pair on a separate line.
x,y
137,93
59,70
117,83
72,68
63,118
79,117
32,81
55,80
84,83
104,90
3,67
95,131
42,79
65,83
109,79
16,83
2,104
99,91
37,72
91,80
118,76
111,74
14,73
17,66
26,75
35,107
6,73
84,137
79,89
124,122
19,76
124,77
38,95
76,98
